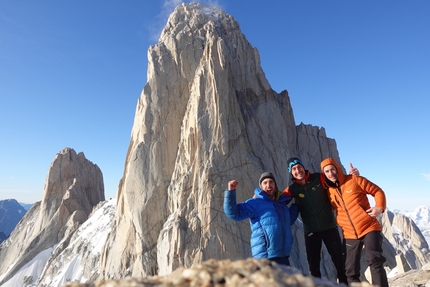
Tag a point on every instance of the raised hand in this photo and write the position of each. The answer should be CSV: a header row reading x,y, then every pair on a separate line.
x,y
353,170
232,184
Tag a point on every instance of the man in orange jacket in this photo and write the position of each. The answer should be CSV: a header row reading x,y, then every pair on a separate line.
x,y
348,196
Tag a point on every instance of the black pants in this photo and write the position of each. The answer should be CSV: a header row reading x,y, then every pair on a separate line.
x,y
281,260
372,242
333,243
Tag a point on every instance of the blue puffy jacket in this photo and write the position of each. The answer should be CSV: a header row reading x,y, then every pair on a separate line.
x,y
270,219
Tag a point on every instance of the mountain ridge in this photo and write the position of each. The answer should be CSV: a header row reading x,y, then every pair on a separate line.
x,y
11,212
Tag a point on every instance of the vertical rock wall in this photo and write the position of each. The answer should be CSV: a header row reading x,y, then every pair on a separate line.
x,y
206,115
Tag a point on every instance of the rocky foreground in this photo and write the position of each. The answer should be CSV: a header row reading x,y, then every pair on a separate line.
x,y
249,272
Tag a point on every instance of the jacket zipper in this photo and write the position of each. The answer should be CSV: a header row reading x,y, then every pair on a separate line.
x,y
339,191
279,212
305,187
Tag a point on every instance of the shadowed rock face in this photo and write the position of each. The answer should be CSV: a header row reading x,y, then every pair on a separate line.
x,y
206,115
73,187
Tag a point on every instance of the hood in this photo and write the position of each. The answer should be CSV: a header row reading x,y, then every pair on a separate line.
x,y
260,193
327,161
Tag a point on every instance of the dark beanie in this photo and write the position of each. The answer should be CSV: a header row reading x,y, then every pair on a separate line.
x,y
292,162
265,175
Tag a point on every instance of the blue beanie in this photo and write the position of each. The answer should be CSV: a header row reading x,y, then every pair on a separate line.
x,y
292,162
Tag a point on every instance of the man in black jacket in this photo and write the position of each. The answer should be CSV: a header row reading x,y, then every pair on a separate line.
x,y
319,222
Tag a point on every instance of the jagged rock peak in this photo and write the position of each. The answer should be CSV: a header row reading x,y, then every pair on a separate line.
x,y
190,35
204,117
207,115
73,186
70,172
190,13
190,18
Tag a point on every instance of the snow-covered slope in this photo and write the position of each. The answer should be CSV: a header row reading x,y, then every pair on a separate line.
x,y
55,266
421,217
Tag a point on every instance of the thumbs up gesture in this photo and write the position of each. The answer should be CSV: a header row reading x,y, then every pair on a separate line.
x,y
353,170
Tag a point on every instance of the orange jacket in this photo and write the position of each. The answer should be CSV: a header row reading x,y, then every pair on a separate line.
x,y
348,196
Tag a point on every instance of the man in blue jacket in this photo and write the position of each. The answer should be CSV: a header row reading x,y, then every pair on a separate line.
x,y
270,218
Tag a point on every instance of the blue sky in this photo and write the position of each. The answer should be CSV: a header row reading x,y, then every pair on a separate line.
x,y
71,73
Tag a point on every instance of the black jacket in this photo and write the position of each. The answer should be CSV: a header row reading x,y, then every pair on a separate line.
x,y
314,205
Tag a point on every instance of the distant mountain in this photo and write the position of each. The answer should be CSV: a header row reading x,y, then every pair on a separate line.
x,y
3,236
11,213
421,217
26,206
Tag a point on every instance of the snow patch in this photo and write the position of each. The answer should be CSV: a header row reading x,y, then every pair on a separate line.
x,y
28,275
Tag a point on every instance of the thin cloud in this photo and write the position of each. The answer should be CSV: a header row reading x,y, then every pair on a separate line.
x,y
426,176
169,5
161,19
167,9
